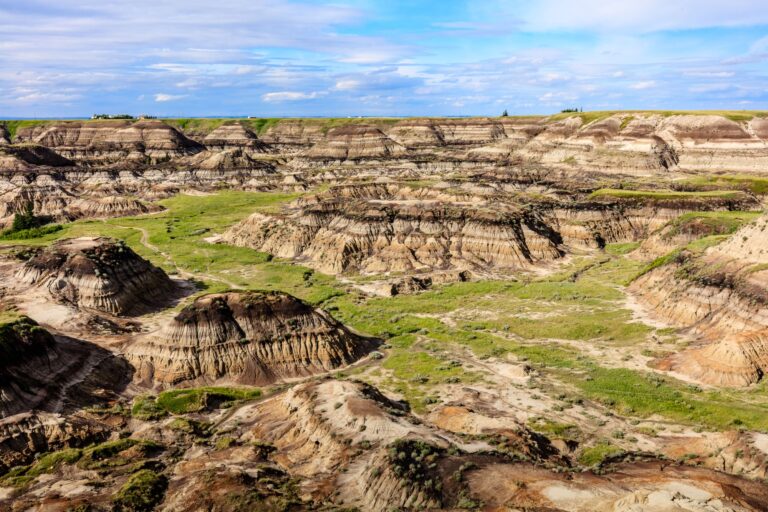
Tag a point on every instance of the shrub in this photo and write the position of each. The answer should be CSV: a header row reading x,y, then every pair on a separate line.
x,y
142,492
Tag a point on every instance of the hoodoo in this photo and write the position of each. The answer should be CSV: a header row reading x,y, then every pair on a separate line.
x,y
246,337
98,273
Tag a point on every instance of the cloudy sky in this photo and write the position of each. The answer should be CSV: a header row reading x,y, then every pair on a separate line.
x,y
69,58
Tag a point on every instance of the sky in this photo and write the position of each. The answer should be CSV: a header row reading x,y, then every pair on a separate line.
x,y
73,58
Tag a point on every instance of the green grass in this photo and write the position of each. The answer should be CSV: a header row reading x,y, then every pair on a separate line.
x,y
183,401
143,491
145,408
47,463
27,234
594,455
754,184
712,223
180,231
733,115
666,194
110,454
619,249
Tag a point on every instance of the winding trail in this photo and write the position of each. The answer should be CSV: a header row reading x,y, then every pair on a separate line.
x,y
144,240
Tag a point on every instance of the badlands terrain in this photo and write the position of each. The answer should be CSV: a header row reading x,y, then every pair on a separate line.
x,y
556,313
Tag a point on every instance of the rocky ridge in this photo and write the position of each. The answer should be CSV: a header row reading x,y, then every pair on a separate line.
x,y
99,274
248,338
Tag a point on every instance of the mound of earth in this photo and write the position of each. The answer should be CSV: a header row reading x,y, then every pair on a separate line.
x,y
246,337
41,372
98,273
354,143
234,136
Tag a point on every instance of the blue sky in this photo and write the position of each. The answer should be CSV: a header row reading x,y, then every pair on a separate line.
x,y
65,58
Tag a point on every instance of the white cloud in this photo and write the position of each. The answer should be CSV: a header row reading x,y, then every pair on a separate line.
x,y
641,86
273,97
162,98
347,85
639,16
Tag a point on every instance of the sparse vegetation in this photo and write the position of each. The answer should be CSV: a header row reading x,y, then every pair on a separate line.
x,y
142,492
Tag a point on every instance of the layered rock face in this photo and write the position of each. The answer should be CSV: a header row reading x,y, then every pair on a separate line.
x,y
722,295
99,274
354,143
482,226
400,237
40,372
103,142
246,337
234,136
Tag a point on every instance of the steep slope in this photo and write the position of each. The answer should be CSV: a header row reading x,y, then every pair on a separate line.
x,y
354,143
98,273
234,136
41,372
722,295
245,337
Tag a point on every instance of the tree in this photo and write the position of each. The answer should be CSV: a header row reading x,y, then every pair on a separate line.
x,y
24,220
505,113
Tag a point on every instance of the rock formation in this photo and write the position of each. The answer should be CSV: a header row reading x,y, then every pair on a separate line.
x,y
246,337
354,143
234,136
721,295
41,372
98,274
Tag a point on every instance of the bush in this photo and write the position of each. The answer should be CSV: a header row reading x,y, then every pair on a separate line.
x,y
142,492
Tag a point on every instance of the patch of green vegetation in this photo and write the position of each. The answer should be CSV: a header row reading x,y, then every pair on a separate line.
x,y
107,455
46,463
180,231
183,401
625,122
145,408
30,233
192,427
711,223
143,491
594,455
755,184
619,249
554,429
665,194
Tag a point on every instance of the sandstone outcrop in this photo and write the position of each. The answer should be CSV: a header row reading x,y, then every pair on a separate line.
x,y
98,274
234,136
246,337
369,237
354,143
110,141
721,295
25,157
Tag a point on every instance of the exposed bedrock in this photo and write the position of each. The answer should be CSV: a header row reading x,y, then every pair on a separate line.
x,y
373,237
381,227
100,274
56,374
245,337
24,435
722,296
234,136
112,141
354,143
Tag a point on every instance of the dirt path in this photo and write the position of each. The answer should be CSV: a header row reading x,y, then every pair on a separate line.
x,y
144,240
